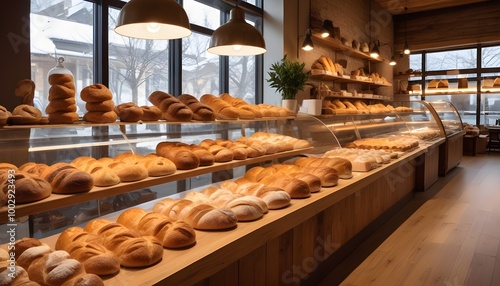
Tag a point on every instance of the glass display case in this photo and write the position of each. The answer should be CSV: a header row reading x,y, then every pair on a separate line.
x,y
50,144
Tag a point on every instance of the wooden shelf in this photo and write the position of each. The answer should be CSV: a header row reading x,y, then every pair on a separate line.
x,y
338,46
329,77
59,200
357,97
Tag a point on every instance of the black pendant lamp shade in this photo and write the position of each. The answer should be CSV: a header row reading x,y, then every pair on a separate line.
x,y
153,19
237,37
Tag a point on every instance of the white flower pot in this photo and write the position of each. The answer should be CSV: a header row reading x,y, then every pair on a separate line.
x,y
290,104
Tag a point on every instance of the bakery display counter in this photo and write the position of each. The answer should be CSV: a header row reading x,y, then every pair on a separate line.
x,y
278,248
451,152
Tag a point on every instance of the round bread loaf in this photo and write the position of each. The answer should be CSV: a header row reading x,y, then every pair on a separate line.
x,y
27,111
129,112
100,117
150,113
66,179
63,117
128,172
101,106
96,93
28,188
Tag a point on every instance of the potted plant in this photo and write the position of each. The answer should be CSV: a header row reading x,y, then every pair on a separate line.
x,y
288,77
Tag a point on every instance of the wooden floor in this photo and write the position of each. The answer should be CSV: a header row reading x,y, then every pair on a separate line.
x,y
448,235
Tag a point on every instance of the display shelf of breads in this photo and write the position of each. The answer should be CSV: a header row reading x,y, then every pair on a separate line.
x,y
145,245
324,68
393,143
348,49
345,106
40,187
424,133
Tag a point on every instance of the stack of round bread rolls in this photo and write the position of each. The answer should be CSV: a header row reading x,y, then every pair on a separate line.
x,y
173,234
199,215
62,99
132,249
171,107
99,104
201,112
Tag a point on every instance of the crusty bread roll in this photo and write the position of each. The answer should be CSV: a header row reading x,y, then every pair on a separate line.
x,y
157,165
17,277
55,268
89,249
129,112
24,243
28,188
274,197
343,166
25,114
132,249
201,111
129,172
172,108
199,216
173,234
4,115
182,157
67,179
150,113
103,175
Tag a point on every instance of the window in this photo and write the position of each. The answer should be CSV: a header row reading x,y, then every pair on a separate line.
x,y
451,60
136,67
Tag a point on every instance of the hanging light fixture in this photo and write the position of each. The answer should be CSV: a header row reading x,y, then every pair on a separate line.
x,y
392,62
327,28
375,51
237,37
308,44
406,48
153,19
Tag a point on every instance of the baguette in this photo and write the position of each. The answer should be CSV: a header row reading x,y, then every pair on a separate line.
x,y
173,234
172,108
201,112
132,249
199,216
343,166
89,250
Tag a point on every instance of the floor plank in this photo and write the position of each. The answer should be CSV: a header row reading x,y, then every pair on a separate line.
x,y
448,235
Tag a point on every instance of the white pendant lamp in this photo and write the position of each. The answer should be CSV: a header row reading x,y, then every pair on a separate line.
x,y
237,37
153,19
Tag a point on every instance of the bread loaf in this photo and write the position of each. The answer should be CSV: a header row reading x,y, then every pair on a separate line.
x,y
199,216
173,234
4,115
67,179
296,188
183,158
274,197
157,166
25,115
258,173
132,249
55,268
129,172
201,112
150,113
343,166
103,175
241,104
172,108
328,176
27,188
24,243
18,277
224,110
89,249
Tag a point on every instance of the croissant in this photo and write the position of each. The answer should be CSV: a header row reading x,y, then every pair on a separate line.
x,y
172,234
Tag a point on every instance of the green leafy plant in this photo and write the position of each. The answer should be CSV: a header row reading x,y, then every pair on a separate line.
x,y
287,77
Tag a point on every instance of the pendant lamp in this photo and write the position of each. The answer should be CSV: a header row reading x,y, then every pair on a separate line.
x,y
153,19
375,52
308,44
406,48
237,37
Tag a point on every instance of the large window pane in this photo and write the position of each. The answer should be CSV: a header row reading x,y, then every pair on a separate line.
x,y
202,15
60,30
200,69
490,57
449,60
242,78
136,67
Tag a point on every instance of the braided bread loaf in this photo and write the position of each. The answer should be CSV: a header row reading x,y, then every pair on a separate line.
x,y
172,234
132,249
201,112
89,249
172,108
